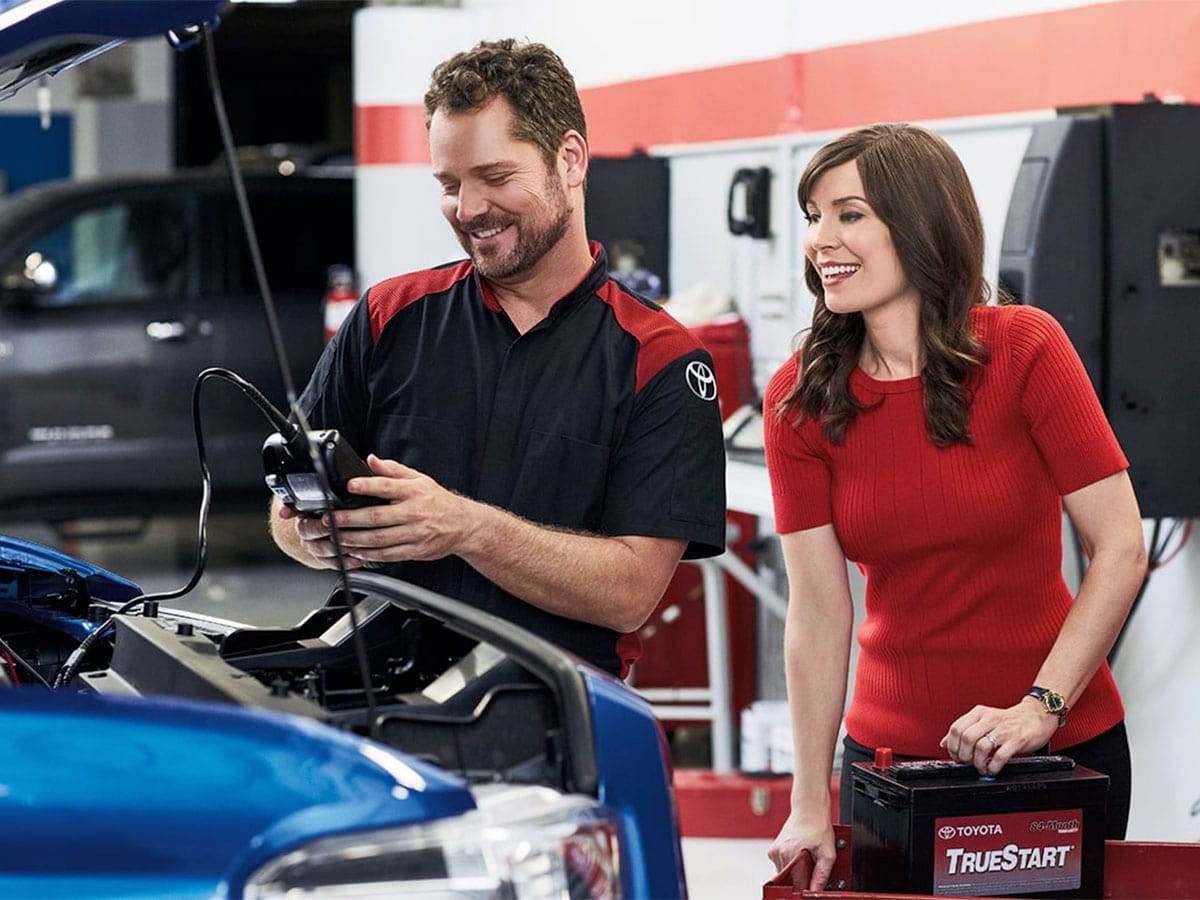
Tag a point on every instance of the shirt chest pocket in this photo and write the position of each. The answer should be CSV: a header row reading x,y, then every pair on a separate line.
x,y
435,447
562,482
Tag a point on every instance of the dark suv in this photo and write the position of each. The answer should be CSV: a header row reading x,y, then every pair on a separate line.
x,y
114,296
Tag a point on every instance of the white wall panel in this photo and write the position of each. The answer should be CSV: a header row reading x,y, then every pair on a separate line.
x,y
1158,672
396,48
766,277
622,40
856,21
398,224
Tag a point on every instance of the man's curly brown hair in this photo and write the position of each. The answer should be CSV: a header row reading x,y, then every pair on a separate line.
x,y
530,76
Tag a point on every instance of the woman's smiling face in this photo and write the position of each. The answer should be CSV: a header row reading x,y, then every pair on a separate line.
x,y
851,248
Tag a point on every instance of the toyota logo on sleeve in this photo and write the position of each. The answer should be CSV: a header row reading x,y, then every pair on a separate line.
x,y
701,380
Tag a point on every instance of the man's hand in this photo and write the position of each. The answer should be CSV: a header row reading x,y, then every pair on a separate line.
x,y
421,519
612,581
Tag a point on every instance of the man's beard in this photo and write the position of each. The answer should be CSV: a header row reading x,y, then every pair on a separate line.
x,y
535,238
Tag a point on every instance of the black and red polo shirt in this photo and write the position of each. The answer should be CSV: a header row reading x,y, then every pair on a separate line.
x,y
602,418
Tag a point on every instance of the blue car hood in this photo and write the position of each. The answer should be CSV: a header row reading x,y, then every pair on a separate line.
x,y
45,37
32,577
105,796
18,556
154,797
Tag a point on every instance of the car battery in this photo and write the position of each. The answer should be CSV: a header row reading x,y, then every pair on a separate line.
x,y
937,827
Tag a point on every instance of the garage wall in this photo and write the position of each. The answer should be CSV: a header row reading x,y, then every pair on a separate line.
x,y
715,85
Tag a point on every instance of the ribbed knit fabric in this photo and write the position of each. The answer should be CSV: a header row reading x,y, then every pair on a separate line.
x,y
961,546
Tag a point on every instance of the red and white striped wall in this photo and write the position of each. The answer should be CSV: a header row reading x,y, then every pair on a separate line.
x,y
673,72
1080,55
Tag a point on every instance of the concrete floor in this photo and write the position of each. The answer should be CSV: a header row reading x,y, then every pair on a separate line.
x,y
726,869
248,580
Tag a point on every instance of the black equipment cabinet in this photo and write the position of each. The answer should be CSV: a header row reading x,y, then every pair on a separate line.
x,y
628,199
1103,231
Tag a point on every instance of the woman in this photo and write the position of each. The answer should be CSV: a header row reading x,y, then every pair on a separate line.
x,y
934,439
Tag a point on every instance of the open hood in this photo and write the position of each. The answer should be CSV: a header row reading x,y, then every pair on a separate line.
x,y
43,585
44,37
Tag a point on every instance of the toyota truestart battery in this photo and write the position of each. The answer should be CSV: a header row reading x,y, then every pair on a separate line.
x,y
937,827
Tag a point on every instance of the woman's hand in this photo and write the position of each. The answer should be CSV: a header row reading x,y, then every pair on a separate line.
x,y
988,737
809,841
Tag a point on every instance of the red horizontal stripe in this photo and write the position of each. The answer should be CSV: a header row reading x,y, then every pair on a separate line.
x,y
749,99
1105,53
390,134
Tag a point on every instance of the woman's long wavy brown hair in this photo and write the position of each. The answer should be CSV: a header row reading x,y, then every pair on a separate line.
x,y
918,187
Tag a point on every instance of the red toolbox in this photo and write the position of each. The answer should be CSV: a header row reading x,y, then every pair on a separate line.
x,y
734,804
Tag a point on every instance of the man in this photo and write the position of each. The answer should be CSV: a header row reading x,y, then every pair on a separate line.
x,y
548,444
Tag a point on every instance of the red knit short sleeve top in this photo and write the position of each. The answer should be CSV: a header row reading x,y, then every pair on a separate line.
x,y
961,546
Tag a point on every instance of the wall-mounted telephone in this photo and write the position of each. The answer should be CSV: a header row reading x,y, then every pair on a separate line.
x,y
749,208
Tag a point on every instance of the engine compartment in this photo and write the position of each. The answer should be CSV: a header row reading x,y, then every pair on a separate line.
x,y
417,671
436,694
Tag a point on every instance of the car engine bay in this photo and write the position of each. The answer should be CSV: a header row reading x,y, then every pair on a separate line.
x,y
436,691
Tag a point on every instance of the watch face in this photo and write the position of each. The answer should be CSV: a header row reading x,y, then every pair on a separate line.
x,y
1054,702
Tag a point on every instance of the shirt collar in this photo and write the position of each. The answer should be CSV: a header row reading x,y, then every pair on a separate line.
x,y
591,283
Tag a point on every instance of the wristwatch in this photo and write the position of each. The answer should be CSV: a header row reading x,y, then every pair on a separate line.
x,y
1052,701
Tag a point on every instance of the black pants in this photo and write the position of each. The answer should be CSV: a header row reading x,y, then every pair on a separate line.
x,y
1107,753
